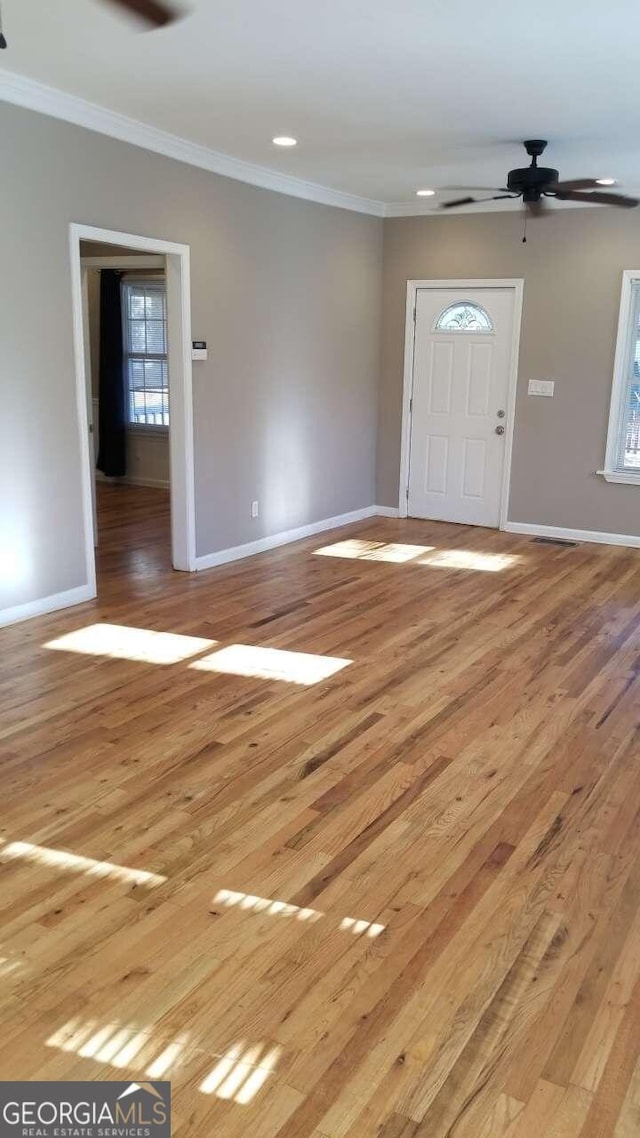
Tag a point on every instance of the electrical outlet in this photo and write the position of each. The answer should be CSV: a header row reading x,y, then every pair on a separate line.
x,y
255,509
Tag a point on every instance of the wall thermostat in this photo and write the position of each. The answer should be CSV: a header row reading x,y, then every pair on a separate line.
x,y
199,350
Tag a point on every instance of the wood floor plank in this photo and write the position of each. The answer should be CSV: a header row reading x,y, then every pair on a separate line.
x,y
399,902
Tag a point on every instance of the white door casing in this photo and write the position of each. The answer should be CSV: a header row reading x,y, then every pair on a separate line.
x,y
181,441
86,331
456,454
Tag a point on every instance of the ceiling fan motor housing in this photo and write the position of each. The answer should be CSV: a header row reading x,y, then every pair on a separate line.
x,y
531,180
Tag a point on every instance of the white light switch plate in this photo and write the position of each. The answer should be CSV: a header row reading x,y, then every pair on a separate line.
x,y
541,387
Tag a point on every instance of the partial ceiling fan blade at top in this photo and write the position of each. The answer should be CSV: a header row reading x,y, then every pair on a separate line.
x,y
155,12
599,198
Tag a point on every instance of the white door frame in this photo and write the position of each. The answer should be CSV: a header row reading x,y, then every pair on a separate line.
x,y
181,452
515,283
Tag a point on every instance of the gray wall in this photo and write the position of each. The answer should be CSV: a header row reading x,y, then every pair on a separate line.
x,y
572,267
287,294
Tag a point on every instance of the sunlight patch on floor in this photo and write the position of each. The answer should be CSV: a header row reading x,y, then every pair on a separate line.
x,y
123,643
353,549
9,966
123,1046
360,928
469,559
236,1076
242,1072
397,553
74,863
271,664
248,903
358,549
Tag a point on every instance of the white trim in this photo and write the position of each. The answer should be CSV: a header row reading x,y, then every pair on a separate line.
x,y
47,604
82,413
181,427
237,552
618,387
386,511
515,283
122,262
24,92
627,477
152,483
183,539
535,530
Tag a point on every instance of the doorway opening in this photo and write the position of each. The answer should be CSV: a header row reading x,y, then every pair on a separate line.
x,y
461,365
132,339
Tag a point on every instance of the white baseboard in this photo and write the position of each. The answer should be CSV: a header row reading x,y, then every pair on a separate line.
x,y
535,530
236,553
154,483
208,561
47,604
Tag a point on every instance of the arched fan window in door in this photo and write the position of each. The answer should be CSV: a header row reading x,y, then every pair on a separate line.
x,y
464,316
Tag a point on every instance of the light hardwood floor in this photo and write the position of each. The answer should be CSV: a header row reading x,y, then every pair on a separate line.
x,y
401,902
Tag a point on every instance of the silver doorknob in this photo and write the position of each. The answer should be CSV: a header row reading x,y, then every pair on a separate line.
x,y
499,430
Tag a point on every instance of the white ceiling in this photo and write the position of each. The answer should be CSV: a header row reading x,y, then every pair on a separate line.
x,y
384,96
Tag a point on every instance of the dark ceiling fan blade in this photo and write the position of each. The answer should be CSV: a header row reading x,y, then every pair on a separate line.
x,y
474,201
479,189
155,12
576,184
456,203
599,198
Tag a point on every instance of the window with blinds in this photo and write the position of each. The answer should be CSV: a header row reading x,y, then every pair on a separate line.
x,y
145,342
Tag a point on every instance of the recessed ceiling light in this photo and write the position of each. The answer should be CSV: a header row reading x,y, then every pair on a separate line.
x,y
284,140
606,181
425,193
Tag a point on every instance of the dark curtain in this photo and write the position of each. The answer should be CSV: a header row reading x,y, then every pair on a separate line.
x,y
112,414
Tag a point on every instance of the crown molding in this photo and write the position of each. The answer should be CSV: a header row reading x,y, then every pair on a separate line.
x,y
35,96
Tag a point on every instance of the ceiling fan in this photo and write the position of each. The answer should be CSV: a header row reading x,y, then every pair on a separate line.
x,y
534,183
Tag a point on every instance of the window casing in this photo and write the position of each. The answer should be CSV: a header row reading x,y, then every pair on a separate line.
x,y
622,460
144,313
464,316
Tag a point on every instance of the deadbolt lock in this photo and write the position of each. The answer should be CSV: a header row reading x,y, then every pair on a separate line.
x,y
501,414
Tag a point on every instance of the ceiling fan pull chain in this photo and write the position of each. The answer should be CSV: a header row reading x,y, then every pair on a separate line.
x,y
524,237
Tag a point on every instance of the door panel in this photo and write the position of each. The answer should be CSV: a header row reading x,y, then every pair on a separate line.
x,y
460,383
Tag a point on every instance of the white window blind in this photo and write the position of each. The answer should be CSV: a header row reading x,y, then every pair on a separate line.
x,y
145,341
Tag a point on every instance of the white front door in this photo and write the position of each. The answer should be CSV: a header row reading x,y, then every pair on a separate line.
x,y
462,362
